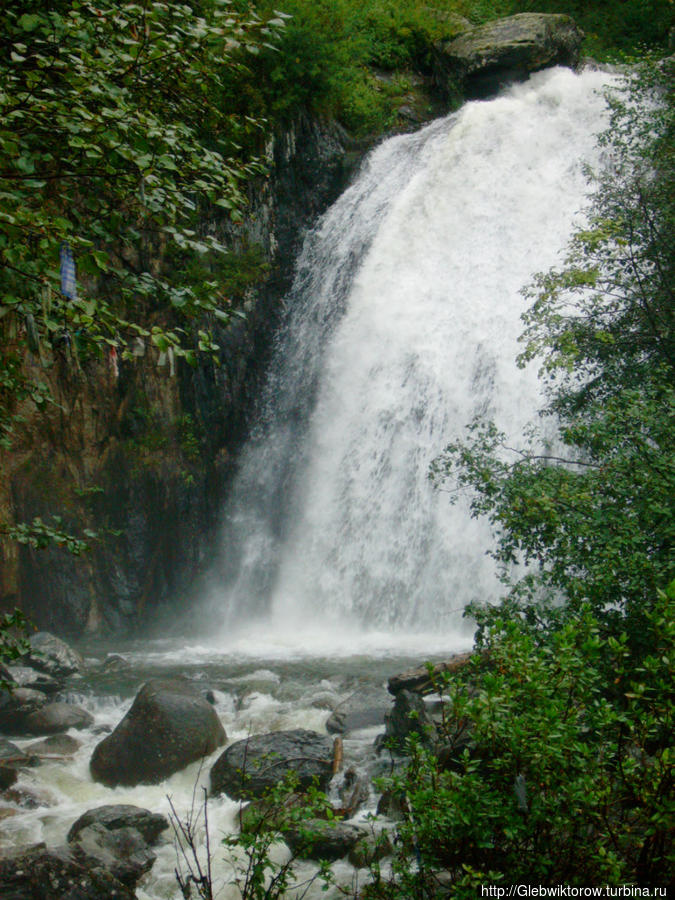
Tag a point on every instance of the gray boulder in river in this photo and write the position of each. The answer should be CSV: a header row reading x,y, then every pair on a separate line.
x,y
253,766
54,718
117,838
169,726
42,873
121,815
52,655
485,58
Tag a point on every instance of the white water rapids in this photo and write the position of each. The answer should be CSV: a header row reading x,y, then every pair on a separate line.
x,y
403,324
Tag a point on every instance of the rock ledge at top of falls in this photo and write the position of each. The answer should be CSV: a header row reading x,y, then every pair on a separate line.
x,y
169,726
485,58
253,766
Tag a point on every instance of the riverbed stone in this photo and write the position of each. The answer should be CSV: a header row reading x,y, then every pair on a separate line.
x,y
269,814
54,745
15,707
371,848
27,676
408,716
57,717
169,726
8,776
115,663
343,719
483,59
320,839
122,852
54,656
42,873
113,816
10,753
251,767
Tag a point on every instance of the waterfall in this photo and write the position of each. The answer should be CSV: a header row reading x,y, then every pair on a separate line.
x,y
403,324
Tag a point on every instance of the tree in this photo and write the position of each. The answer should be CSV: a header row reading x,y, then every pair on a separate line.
x,y
594,518
558,776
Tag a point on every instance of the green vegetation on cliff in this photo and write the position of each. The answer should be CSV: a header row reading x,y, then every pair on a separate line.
x,y
332,51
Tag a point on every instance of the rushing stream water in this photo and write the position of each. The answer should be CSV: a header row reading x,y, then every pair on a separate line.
x,y
340,563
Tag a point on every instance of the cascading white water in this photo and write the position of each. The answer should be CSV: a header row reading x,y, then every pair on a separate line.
x,y
404,322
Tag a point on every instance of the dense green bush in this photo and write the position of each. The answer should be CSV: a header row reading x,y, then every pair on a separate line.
x,y
567,779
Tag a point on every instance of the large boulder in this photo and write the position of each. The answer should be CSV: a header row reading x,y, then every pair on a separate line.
x,y
42,873
16,705
121,815
52,655
327,840
483,59
408,716
169,726
55,718
122,852
253,766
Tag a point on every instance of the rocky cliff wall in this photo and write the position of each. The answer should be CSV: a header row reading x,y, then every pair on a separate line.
x,y
139,452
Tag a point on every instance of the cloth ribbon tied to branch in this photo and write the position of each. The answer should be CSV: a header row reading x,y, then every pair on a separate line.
x,y
68,281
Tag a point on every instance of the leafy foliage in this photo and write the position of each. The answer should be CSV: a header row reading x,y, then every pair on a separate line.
x,y
13,641
112,141
565,780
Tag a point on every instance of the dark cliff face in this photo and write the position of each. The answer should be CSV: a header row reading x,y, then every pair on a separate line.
x,y
140,453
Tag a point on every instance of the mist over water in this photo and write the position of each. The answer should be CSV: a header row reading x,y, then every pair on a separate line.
x,y
403,325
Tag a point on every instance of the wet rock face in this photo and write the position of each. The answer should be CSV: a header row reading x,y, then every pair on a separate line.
x,y
168,726
122,852
53,656
484,59
166,522
122,815
55,718
41,873
408,716
253,766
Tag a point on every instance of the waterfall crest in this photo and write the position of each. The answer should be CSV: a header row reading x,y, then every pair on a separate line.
x,y
403,324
